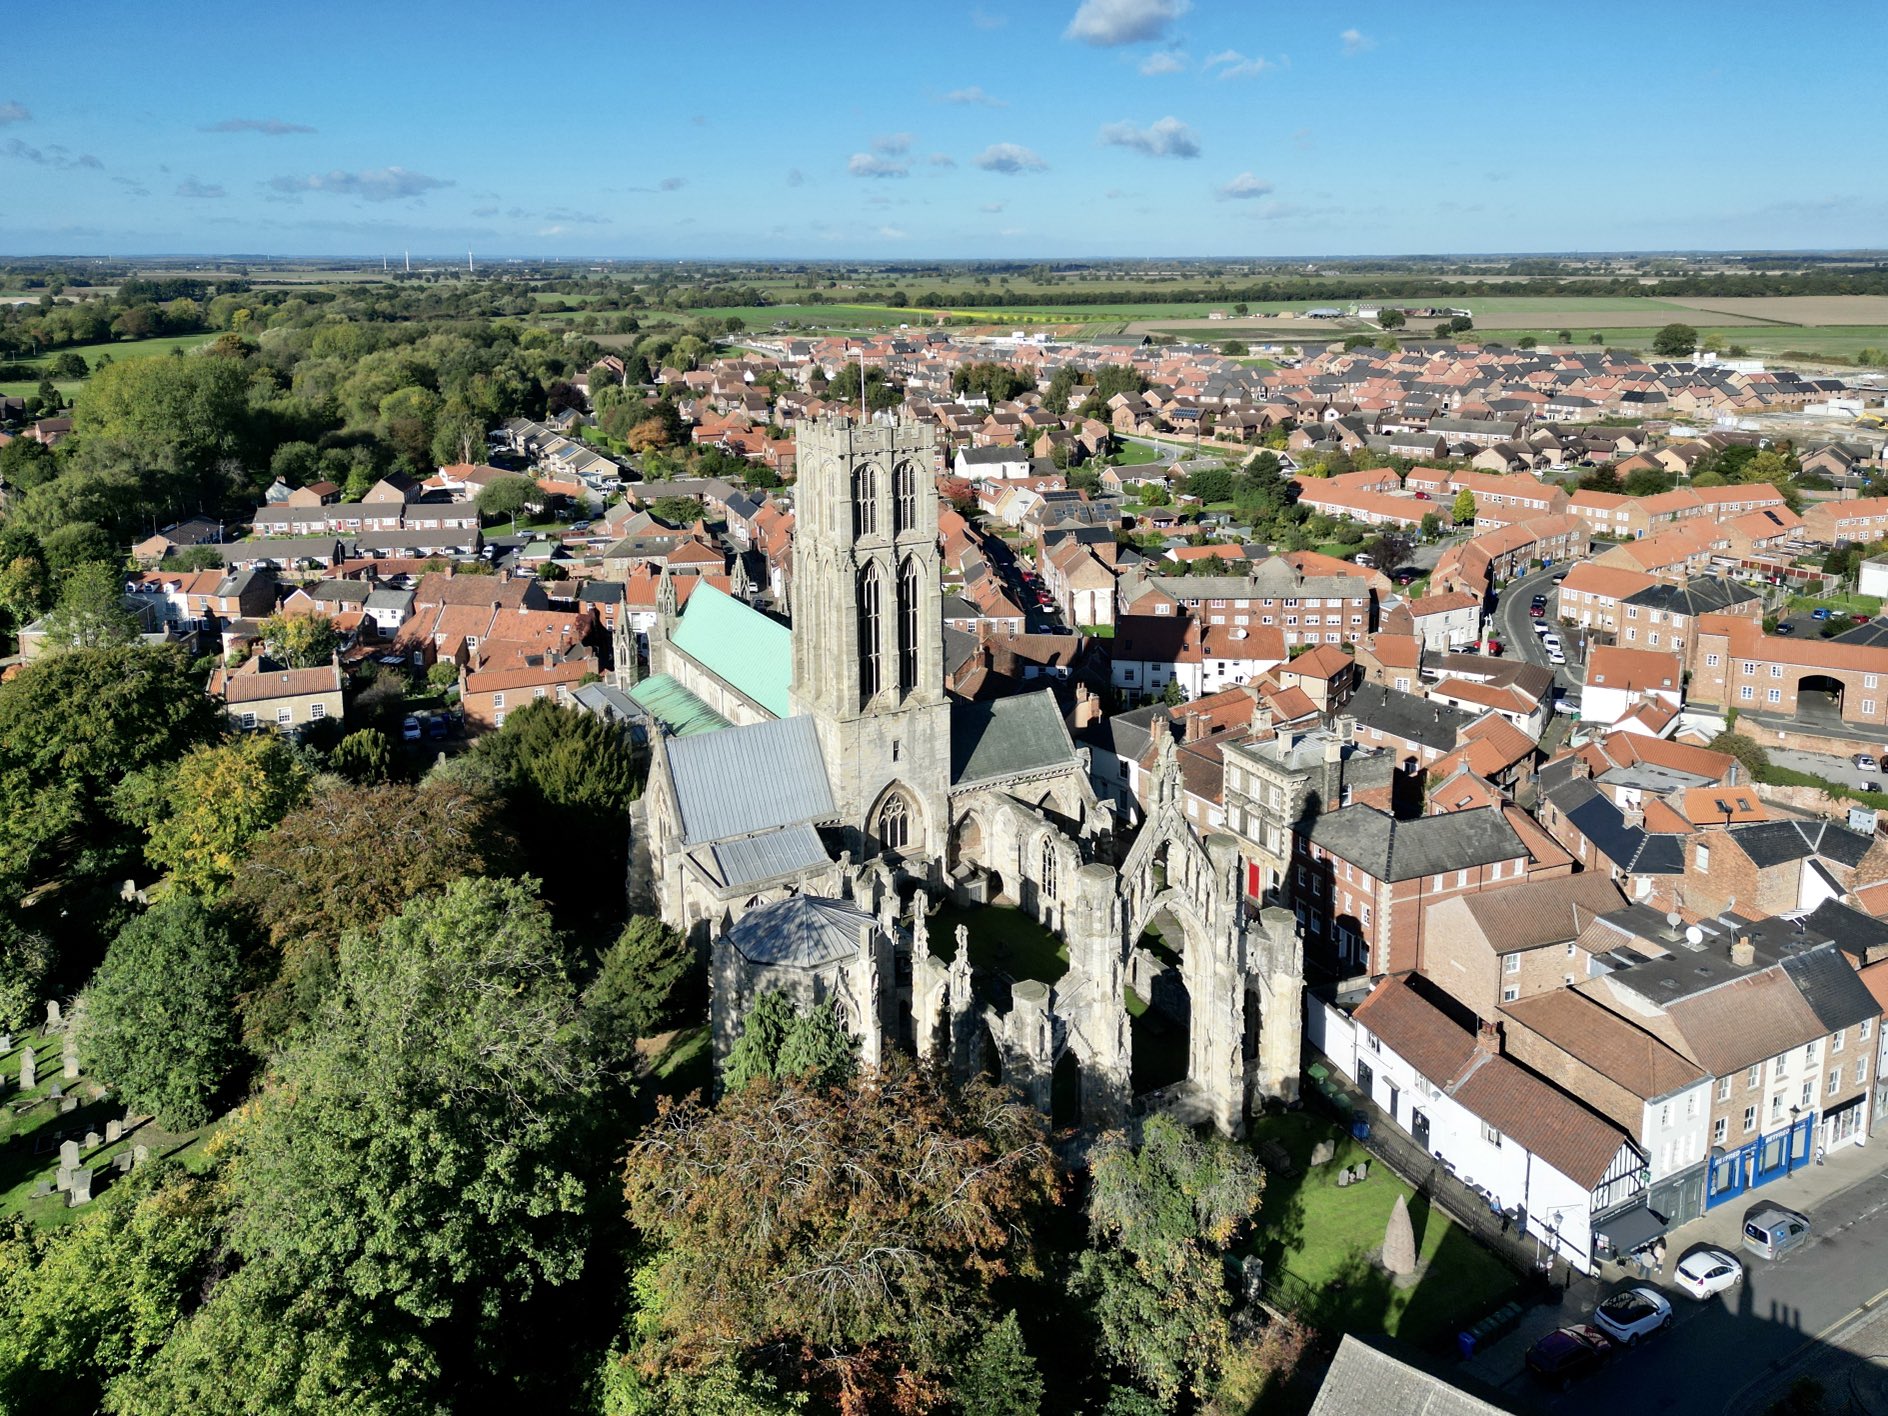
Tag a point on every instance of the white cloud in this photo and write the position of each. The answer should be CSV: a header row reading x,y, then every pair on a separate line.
x,y
1110,22
14,113
1234,65
1165,61
1243,187
384,184
550,231
273,127
1168,137
1355,41
941,159
892,144
975,95
866,164
892,233
1009,158
191,187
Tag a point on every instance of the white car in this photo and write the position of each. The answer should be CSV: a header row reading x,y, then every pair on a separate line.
x,y
1633,1313
1555,657
1550,640
1544,630
1708,1271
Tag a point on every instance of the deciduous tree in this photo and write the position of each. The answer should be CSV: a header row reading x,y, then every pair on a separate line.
x,y
302,641
218,800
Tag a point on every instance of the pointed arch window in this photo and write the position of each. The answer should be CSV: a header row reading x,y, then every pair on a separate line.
x,y
871,665
904,498
1048,868
894,824
864,500
908,601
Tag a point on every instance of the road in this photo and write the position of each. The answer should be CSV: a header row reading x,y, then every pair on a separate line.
x,y
1717,1351
1515,627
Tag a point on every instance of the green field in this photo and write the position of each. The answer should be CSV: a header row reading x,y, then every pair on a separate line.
x,y
118,349
1763,341
764,317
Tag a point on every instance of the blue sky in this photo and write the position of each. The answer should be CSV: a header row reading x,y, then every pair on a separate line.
x,y
888,129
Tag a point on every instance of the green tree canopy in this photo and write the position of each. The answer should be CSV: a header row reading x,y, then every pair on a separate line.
x,y
91,613
1675,340
160,1016
505,496
634,982
218,800
302,641
998,1377
1463,511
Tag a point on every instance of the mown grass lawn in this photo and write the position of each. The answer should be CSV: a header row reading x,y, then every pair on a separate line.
x,y
1001,940
1842,604
1327,1238
1136,455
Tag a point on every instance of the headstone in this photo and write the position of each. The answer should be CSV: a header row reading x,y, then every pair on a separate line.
x,y
81,1191
42,1189
1363,1169
58,1092
70,1058
123,1161
6,1042
64,1182
1343,1177
114,1130
68,1154
68,1106
140,1154
53,1015
29,1070
93,1140
1324,1152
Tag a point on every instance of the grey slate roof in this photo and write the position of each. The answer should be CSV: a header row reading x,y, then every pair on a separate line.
x,y
1855,933
1388,849
741,781
1700,596
1770,843
1829,984
1631,848
1434,725
1007,737
1365,1382
801,931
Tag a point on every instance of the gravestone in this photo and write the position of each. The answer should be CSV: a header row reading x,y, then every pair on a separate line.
x,y
123,1162
70,1058
1363,1169
93,1140
114,1130
81,1191
6,1042
64,1181
69,1105
1343,1177
58,1092
140,1154
1324,1152
68,1154
53,1016
42,1189
29,1070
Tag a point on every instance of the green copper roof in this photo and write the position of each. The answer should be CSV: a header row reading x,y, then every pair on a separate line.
x,y
740,644
680,711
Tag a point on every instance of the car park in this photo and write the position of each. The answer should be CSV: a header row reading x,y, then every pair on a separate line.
x,y
1633,1313
1819,613
1568,1353
1785,627
1707,1271
1771,1231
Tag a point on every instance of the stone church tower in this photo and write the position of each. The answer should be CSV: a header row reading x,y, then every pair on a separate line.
x,y
868,631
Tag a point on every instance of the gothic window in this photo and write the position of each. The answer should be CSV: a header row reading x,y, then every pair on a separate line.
x,y
904,498
871,676
894,824
1048,869
908,598
864,500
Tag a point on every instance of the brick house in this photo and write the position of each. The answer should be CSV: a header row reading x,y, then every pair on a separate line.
x,y
1489,949
1734,664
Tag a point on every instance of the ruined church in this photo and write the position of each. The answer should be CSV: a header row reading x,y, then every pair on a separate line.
x,y
815,795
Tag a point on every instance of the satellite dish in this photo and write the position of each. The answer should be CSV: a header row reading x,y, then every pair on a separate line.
x,y
1693,934
1674,919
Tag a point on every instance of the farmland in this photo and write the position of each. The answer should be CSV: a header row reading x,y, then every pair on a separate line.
x,y
117,349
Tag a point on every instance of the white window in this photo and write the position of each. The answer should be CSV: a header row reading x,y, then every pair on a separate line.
x,y
1491,1135
1837,1039
1510,993
1710,661
1746,692
538,692
1511,963
498,720
1868,681
1809,1054
1753,1076
1835,1080
1780,1065
1717,1132
284,716
1862,1031
1775,695
317,710
1861,1070
498,700
1868,705
1809,1094
248,720
1749,667
1704,858
1724,1088
1461,879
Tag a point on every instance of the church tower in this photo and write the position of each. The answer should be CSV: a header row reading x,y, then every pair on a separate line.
x,y
868,630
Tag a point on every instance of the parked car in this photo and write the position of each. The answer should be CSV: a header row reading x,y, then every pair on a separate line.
x,y
1405,575
1568,1353
1785,627
1492,646
410,730
1706,1272
1550,640
1633,1313
1559,576
1537,611
1819,613
1863,762
1770,1231
437,725
1860,619
1556,658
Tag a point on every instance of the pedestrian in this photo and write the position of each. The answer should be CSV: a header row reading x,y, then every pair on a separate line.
x,y
1658,1257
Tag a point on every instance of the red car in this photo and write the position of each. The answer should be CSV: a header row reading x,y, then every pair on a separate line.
x,y
1861,619
1537,612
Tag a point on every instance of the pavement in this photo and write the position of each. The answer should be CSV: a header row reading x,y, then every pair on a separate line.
x,y
1813,1311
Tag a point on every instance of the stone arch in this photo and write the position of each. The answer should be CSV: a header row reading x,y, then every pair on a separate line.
x,y
896,823
969,839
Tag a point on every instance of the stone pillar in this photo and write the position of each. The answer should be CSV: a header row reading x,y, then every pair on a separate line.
x,y
29,1068
1278,966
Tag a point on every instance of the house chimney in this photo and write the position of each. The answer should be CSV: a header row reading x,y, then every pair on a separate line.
x,y
1743,952
1488,1039
1197,727
1261,718
1333,750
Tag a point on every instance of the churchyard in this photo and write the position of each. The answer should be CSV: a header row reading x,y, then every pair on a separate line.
x,y
64,1140
1320,1239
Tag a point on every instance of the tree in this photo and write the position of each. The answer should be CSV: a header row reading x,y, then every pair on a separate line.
x,y
677,511
1747,750
88,1302
302,641
72,726
183,416
26,961
91,613
78,543
160,1019
1159,1218
817,1050
1431,524
26,463
1675,340
1389,549
505,497
998,1377
1391,319
218,801
364,756
1601,479
634,982
866,1268
755,1055
1463,511
1399,1240
1233,348
410,1165
1210,484
347,860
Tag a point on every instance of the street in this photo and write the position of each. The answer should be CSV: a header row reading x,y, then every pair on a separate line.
x,y
1722,1354
1514,627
